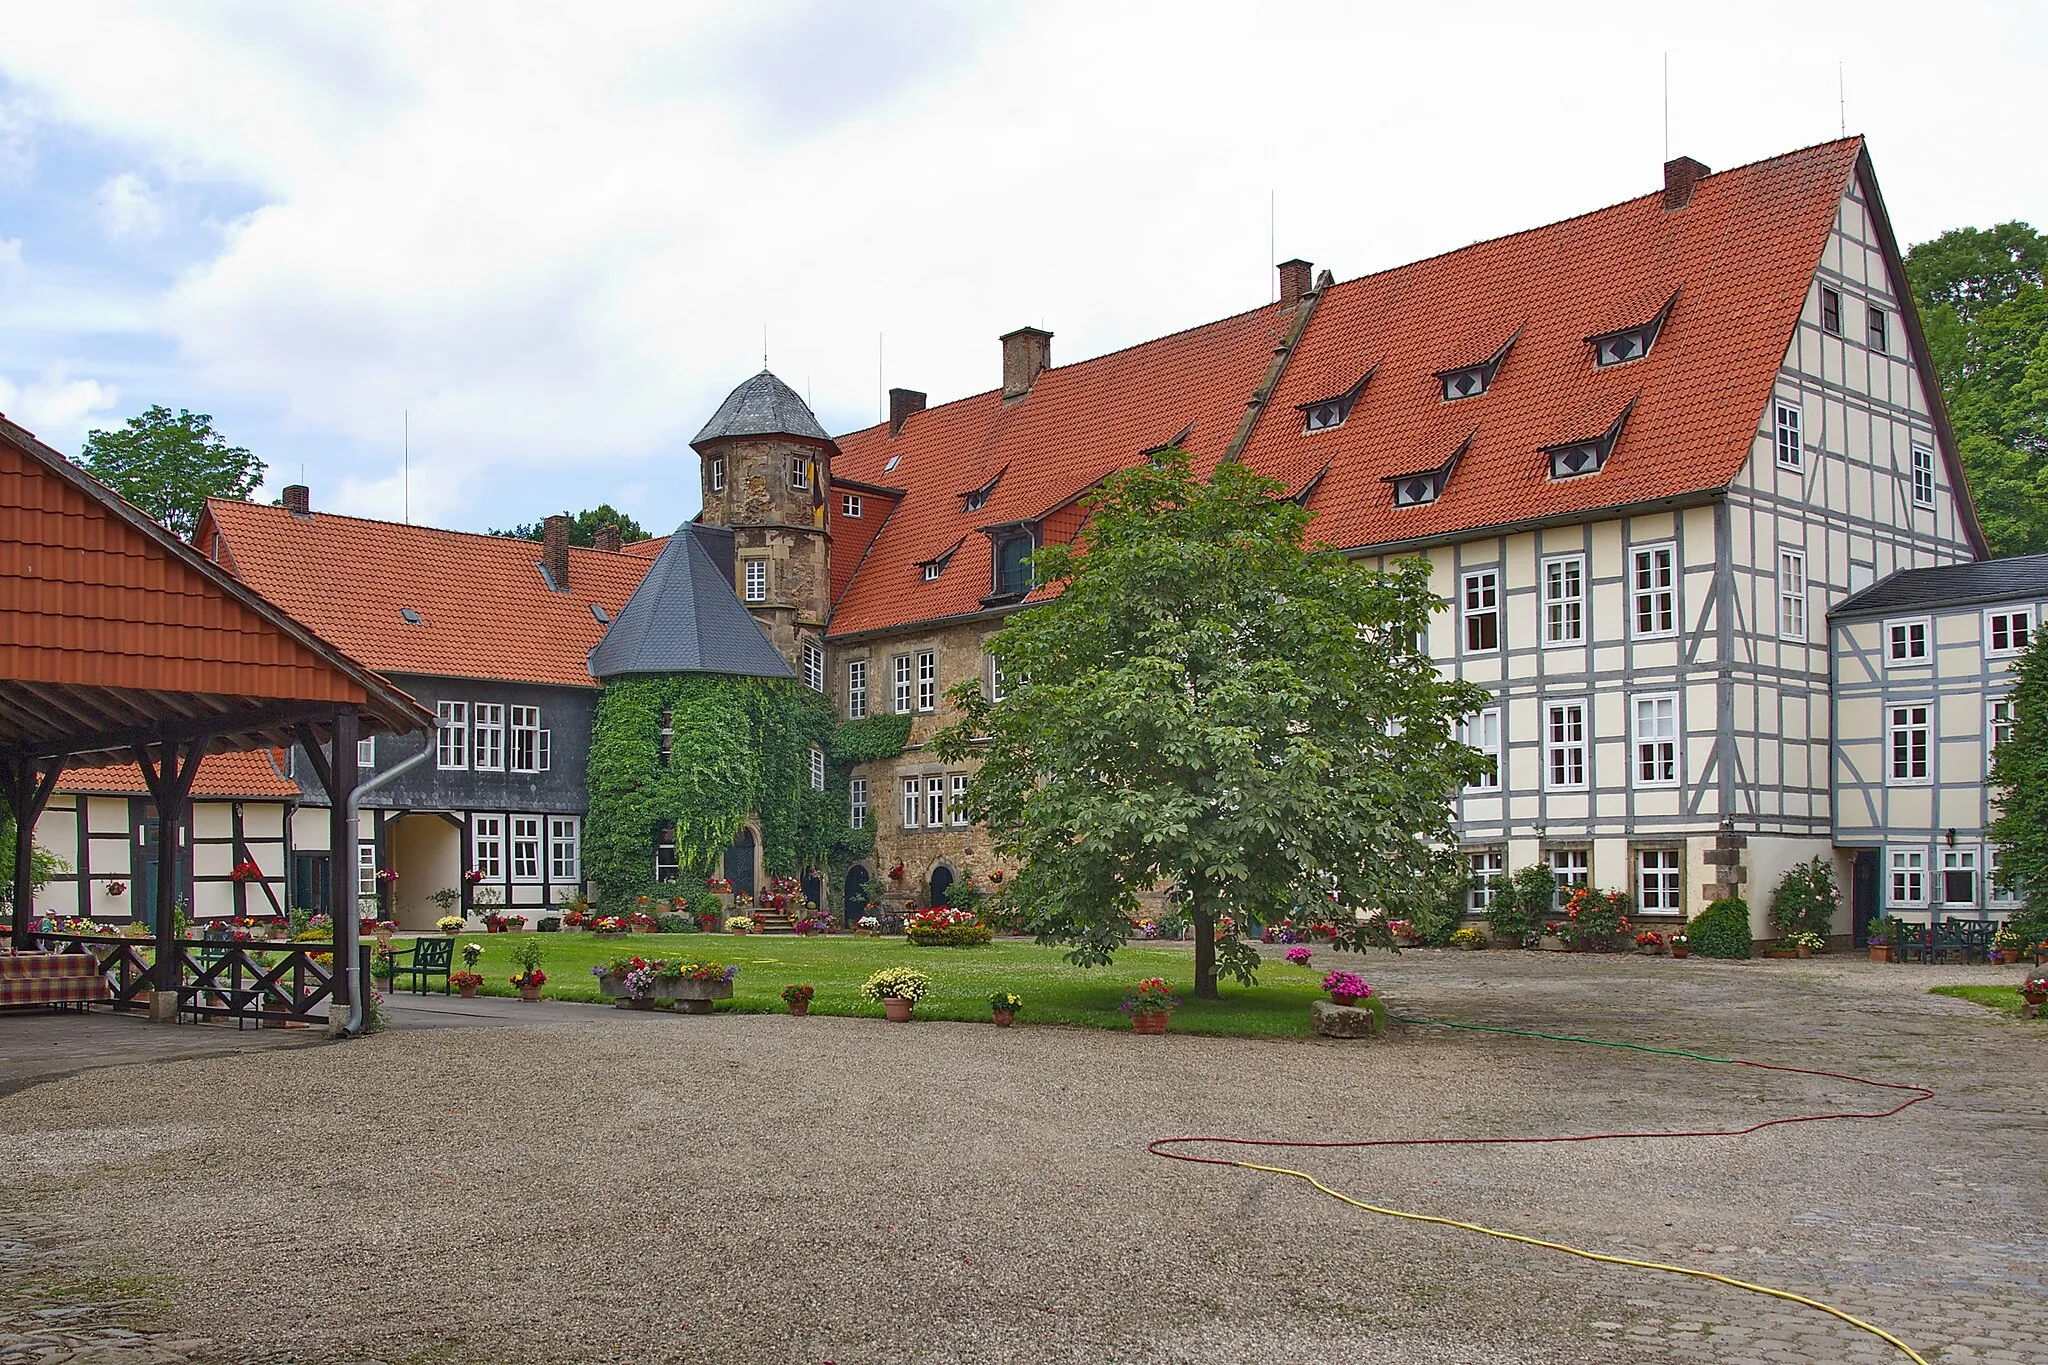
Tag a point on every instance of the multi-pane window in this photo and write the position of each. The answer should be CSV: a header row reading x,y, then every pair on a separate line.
x,y
667,868
933,570
754,580
1791,594
1657,881
1482,732
1654,589
1573,869
913,802
928,681
996,688
1564,743
451,737
1959,876
1909,743
814,666
366,869
565,849
857,803
958,797
665,742
2008,631
1997,890
1013,565
1482,611
526,848
718,473
1831,310
530,743
1877,328
366,752
849,505
1485,871
1909,876
1906,641
1656,740
935,802
1923,476
487,846
901,664
799,471
1791,446
1564,600
487,737
856,688
2001,723
817,769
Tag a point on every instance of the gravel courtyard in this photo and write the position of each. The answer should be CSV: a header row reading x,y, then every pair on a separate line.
x,y
600,1186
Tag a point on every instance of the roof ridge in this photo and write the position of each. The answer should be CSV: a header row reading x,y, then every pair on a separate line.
x,y
416,526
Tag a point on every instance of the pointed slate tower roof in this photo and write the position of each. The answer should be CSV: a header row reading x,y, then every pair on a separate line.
x,y
763,406
683,618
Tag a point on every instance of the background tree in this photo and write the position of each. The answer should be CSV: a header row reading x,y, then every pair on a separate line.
x,y
1984,308
1211,706
2019,778
583,526
169,466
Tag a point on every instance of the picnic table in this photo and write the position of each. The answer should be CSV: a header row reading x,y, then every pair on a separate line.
x,y
51,979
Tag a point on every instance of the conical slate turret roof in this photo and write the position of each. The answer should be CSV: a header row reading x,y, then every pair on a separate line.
x,y
683,618
763,406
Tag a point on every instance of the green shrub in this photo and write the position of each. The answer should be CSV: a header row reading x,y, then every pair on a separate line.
x,y
1806,900
669,922
949,935
1521,903
1722,929
548,924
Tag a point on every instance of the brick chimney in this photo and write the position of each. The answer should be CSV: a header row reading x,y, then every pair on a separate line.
x,y
608,538
904,402
1027,353
1295,277
554,551
1680,175
298,500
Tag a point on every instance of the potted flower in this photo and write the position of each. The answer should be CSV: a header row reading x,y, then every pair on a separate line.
x,y
2007,945
896,873
451,925
1650,943
467,982
1346,988
1806,943
798,998
2034,990
529,983
1150,1004
740,924
382,961
1470,940
246,871
898,989
530,978
1403,932
1680,945
117,888
707,922
1003,1007
471,954
386,876
1300,954
867,926
1553,938
634,982
1881,940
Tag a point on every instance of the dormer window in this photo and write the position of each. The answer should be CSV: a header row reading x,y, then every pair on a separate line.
x,y
1013,564
975,499
933,570
799,471
1469,381
1426,486
1327,413
1624,344
1588,455
849,505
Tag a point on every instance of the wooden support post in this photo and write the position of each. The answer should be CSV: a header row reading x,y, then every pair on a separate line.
x,y
340,778
169,778
27,785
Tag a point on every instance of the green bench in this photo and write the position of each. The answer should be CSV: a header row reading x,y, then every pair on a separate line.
x,y
430,957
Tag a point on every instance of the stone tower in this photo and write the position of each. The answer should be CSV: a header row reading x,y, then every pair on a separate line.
x,y
766,466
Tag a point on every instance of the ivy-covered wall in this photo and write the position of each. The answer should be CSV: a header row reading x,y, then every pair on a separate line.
x,y
740,746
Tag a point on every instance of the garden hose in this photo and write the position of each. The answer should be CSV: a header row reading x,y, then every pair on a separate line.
x,y
1916,1094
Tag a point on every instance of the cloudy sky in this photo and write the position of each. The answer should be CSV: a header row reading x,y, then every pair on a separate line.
x,y
555,234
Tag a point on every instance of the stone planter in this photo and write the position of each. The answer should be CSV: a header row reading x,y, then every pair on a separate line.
x,y
1152,1021
1407,941
1780,954
1332,1020
691,997
1649,950
897,1010
1551,943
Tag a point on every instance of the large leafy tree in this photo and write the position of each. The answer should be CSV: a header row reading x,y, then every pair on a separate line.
x,y
1985,311
584,525
1211,706
2019,777
170,465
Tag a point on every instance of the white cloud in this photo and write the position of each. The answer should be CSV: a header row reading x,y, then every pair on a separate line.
x,y
57,407
128,211
17,147
10,253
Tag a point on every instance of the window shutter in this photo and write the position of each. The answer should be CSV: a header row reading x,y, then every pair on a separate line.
x,y
547,744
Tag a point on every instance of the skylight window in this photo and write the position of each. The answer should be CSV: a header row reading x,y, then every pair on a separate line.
x,y
604,618
409,616
894,460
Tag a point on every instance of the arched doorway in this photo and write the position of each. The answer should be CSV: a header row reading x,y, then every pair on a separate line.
x,y
942,884
856,893
813,883
739,861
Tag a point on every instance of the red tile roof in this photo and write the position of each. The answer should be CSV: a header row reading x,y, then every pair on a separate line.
x,y
246,775
485,611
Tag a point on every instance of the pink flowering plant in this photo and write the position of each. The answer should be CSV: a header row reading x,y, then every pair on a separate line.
x,y
1342,983
1300,954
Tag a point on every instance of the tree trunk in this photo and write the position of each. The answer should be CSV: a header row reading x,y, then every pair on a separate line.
x,y
1205,943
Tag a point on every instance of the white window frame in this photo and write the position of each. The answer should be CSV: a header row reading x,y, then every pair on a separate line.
x,y
2016,641
957,799
1905,881
814,665
487,847
1923,476
1660,884
1660,596
817,769
927,681
526,849
1792,595
857,803
1960,861
1479,600
850,506
667,866
1788,434
996,689
366,752
487,736
1899,636
565,850
1483,732
1999,722
1894,728
856,689
1573,868
753,580
1485,869
525,755
366,869
913,802
718,473
800,472
935,802
1653,724
1565,760
1564,600
451,736
933,570
1993,896
899,665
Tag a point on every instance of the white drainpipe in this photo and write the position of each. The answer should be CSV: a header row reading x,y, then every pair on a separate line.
x,y
354,1025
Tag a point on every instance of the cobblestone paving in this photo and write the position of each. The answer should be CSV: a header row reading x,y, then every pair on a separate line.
x,y
765,1189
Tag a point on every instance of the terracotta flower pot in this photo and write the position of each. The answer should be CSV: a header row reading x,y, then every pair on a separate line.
x,y
1681,950
1880,952
468,992
1343,998
1004,1018
1153,1021
740,931
898,1009
1804,951
529,992
799,1007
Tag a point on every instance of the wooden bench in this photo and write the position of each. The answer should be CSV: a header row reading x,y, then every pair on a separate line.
x,y
430,957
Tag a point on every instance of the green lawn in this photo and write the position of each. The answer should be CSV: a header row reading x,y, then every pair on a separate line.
x,y
962,978
2004,999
